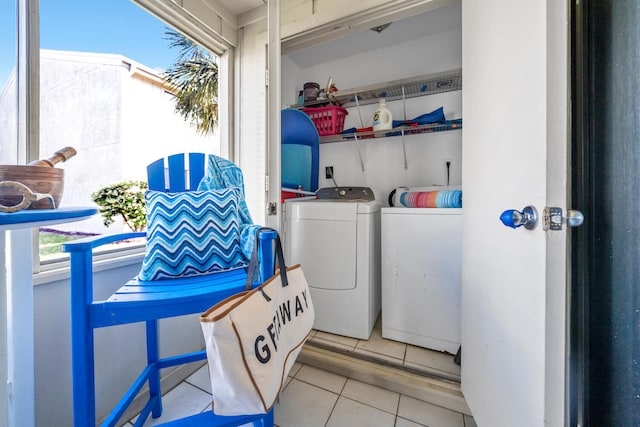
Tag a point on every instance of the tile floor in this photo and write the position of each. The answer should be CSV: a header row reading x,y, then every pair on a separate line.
x,y
313,397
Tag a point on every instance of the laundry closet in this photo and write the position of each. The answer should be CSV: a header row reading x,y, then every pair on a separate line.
x,y
405,256
418,46
514,143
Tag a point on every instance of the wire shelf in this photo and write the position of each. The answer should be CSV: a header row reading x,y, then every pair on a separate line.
x,y
429,84
404,89
417,86
408,130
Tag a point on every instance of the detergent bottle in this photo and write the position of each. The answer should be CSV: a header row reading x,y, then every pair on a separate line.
x,y
382,119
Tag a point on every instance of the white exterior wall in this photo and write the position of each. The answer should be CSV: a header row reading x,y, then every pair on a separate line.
x,y
81,107
152,129
9,122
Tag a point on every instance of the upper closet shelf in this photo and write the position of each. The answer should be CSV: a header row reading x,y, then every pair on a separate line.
x,y
397,131
429,84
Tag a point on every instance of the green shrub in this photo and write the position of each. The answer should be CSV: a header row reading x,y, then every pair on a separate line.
x,y
124,199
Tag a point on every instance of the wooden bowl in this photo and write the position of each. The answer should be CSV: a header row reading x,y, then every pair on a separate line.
x,y
39,179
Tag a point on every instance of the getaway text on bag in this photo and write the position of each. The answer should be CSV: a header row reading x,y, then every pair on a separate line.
x,y
281,317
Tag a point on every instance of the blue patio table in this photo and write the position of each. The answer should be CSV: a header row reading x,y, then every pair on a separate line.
x,y
16,308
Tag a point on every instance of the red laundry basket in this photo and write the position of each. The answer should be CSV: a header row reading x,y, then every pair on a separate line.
x,y
329,120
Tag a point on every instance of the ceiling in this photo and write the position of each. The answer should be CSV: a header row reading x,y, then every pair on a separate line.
x,y
415,27
240,6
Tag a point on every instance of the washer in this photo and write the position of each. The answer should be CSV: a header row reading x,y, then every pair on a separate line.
x,y
337,242
421,279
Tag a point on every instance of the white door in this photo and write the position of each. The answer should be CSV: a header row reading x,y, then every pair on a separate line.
x,y
514,154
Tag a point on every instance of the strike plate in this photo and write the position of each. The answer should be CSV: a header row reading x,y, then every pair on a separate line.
x,y
553,219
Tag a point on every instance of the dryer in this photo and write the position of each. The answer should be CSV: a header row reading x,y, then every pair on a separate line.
x,y
337,242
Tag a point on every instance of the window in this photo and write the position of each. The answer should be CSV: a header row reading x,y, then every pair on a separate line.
x,y
105,100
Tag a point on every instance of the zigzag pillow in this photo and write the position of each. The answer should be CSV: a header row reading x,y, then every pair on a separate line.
x,y
191,233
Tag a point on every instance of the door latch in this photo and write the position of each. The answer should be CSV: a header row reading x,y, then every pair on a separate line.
x,y
553,218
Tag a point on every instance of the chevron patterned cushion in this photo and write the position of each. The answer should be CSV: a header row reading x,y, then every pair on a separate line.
x,y
191,233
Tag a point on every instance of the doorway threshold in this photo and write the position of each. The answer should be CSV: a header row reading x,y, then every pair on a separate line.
x,y
436,388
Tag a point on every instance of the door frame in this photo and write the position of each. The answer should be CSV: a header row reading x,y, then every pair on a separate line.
x,y
577,336
604,296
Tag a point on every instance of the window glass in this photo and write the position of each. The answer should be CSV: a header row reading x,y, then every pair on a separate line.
x,y
102,92
8,94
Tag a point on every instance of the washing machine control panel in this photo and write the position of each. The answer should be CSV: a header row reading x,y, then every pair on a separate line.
x,y
345,193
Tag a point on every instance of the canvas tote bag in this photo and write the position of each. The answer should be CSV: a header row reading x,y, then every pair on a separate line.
x,y
253,338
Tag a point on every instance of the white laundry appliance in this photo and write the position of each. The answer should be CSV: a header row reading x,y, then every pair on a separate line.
x,y
421,280
336,239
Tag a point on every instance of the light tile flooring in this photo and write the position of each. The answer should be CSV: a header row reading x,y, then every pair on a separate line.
x,y
313,397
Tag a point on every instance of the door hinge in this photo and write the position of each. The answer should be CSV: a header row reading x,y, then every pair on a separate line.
x,y
266,77
266,183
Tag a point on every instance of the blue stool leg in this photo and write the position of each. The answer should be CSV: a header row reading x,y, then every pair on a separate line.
x,y
152,361
82,352
265,421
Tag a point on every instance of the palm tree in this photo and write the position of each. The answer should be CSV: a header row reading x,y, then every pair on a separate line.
x,y
194,82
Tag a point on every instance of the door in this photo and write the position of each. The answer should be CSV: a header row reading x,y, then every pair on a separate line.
x,y
514,154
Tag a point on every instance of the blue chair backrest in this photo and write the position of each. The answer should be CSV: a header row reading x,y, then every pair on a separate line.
x,y
300,151
175,175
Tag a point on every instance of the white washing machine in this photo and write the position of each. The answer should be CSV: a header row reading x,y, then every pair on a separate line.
x,y
421,279
337,242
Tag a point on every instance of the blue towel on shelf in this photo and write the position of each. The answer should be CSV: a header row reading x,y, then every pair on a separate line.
x,y
436,116
350,130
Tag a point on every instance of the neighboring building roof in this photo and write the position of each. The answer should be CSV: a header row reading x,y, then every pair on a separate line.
x,y
136,69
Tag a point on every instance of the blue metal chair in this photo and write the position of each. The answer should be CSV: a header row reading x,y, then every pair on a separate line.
x,y
148,302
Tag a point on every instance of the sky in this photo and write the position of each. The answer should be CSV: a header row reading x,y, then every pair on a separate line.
x,y
99,26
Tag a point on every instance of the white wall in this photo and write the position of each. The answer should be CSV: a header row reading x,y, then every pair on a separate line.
x,y
383,157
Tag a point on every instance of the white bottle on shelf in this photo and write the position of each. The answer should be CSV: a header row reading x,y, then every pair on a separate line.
x,y
382,118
